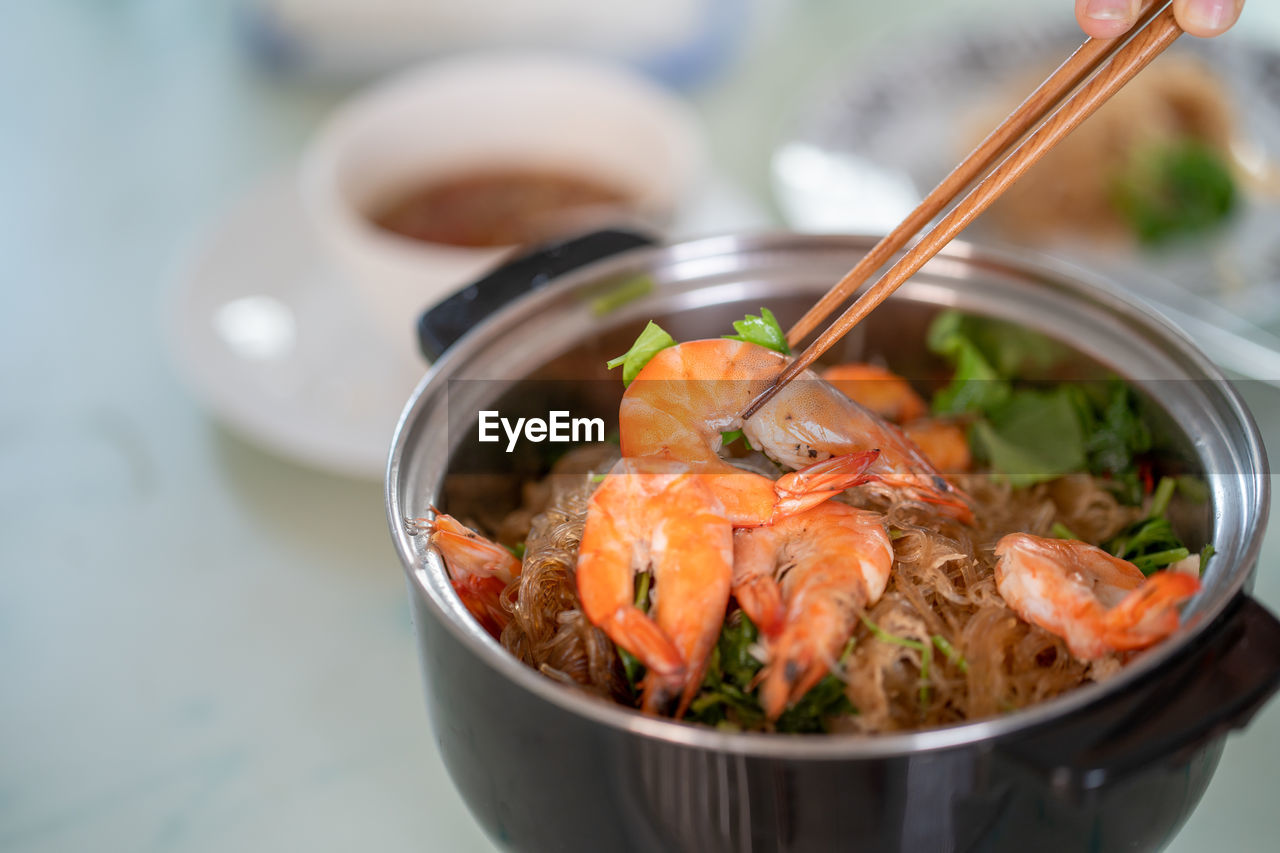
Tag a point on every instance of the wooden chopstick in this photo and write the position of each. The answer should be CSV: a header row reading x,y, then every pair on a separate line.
x,y
1143,45
1083,62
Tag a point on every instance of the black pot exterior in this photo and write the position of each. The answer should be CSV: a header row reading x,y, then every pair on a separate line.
x,y
539,778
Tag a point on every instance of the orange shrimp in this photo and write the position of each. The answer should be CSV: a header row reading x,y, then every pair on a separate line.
x,y
834,561
942,442
654,514
478,568
668,517
1096,602
687,395
883,392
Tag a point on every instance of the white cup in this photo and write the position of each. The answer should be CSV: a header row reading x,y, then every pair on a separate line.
x,y
477,112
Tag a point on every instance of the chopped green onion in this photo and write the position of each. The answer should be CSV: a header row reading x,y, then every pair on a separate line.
x,y
1161,496
925,650
642,591
950,653
1149,563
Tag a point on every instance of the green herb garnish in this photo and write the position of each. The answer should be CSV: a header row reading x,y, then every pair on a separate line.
x,y
1150,543
1027,434
1174,189
651,341
728,697
763,330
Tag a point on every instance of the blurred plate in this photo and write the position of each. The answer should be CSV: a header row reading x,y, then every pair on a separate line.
x,y
867,147
270,338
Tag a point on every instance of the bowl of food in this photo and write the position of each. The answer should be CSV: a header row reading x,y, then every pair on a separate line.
x,y
538,145
839,623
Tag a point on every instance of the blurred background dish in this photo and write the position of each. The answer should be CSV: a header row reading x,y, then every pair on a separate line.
x,y
1172,188
679,42
555,144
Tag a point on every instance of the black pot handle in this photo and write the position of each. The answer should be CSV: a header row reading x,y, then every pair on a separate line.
x,y
1175,711
441,326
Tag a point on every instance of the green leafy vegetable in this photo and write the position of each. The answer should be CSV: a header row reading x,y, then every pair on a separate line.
x,y
631,666
728,698
1031,437
1150,543
1028,435
517,550
728,438
650,342
1115,434
975,386
1171,190
763,330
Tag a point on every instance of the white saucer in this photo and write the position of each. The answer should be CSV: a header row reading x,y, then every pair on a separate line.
x,y
272,341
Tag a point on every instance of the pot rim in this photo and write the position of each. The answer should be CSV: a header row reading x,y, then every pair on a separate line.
x,y
429,579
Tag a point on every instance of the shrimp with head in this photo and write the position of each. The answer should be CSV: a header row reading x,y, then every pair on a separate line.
x,y
688,394
804,581
479,569
1096,602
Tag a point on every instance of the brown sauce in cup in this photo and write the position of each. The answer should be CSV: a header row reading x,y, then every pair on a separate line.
x,y
500,207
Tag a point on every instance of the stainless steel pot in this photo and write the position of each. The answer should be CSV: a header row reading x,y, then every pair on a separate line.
x,y
1110,766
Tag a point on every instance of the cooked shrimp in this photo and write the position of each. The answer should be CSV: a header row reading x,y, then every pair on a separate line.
x,y
479,569
687,395
942,442
833,561
1096,602
666,516
882,391
658,515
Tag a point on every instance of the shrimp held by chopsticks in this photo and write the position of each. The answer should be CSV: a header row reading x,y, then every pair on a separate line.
x,y
687,395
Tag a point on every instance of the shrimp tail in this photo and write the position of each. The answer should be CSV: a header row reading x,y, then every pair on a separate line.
x,y
755,585
635,632
761,599
1149,612
811,485
797,666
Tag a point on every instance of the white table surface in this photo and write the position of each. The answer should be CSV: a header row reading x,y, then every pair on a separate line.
x,y
204,647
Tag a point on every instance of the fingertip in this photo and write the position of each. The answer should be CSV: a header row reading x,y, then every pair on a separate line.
x,y
1207,18
1104,19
